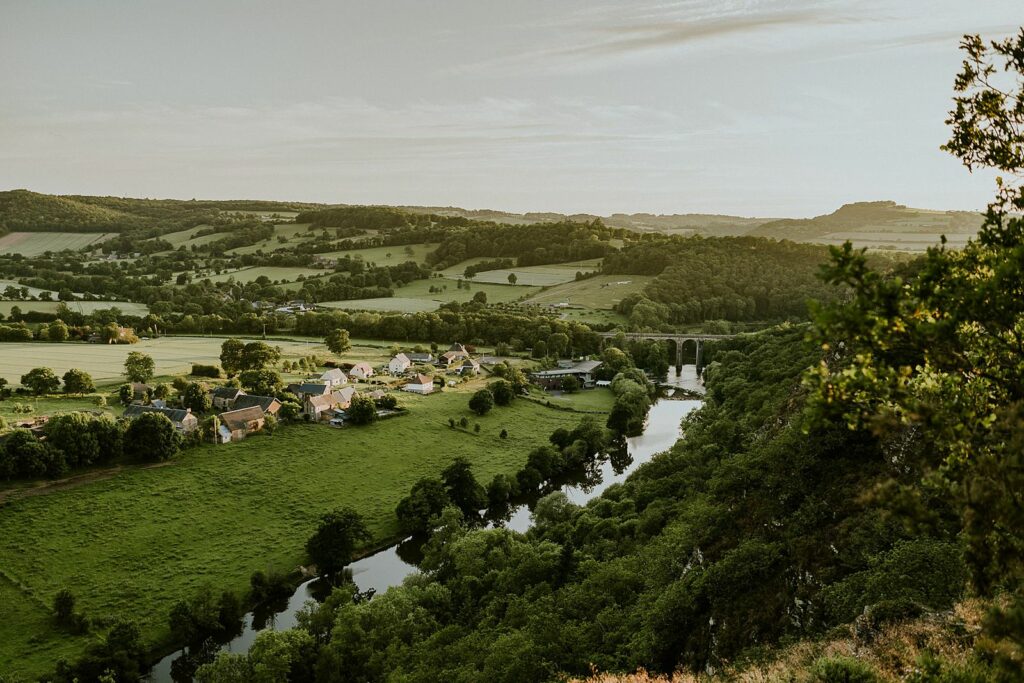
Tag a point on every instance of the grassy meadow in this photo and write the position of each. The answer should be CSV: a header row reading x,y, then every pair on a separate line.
x,y
541,276
105,362
134,543
85,307
600,291
36,243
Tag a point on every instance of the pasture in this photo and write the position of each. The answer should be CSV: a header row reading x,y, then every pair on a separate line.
x,y
600,291
136,542
496,293
273,273
105,362
36,243
541,276
895,241
388,303
387,256
32,291
84,307
293,232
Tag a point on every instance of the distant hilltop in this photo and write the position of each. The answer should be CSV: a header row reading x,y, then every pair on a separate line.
x,y
881,223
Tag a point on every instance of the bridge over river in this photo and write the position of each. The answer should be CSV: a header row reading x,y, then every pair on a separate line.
x,y
677,338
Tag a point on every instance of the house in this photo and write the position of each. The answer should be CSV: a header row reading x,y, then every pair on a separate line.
x,y
182,418
422,384
469,367
420,357
224,397
583,371
453,357
399,364
306,389
361,371
268,404
334,377
326,406
235,425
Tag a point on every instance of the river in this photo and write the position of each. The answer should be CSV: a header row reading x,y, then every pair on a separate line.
x,y
386,568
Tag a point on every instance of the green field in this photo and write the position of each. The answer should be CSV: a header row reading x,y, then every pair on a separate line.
x,y
599,292
897,241
127,307
599,399
136,542
295,232
496,293
541,276
173,356
379,255
387,303
273,272
33,291
36,243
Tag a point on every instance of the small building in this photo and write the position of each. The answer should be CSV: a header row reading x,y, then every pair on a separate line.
x,y
469,367
235,425
583,371
453,357
268,404
334,377
224,398
305,389
182,418
399,364
422,384
361,371
420,357
326,406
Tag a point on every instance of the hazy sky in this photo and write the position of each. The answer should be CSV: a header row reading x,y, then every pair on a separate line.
x,y
756,108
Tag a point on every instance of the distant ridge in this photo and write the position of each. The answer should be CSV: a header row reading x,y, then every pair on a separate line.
x,y
24,210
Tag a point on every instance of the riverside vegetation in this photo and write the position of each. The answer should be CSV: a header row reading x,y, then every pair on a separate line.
x,y
855,476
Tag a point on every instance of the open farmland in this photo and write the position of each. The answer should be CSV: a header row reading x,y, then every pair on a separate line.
x,y
36,243
541,276
398,304
85,307
274,273
496,293
898,241
99,538
600,291
293,232
384,256
105,362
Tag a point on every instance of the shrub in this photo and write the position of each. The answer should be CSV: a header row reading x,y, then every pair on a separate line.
x,y
842,670
206,370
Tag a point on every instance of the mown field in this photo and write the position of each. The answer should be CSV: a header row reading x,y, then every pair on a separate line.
x,y
36,243
599,292
134,543
496,293
397,304
541,276
173,356
294,232
384,256
274,273
86,307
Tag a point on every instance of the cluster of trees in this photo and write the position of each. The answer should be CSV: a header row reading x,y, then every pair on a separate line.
x,y
76,440
561,242
41,381
729,278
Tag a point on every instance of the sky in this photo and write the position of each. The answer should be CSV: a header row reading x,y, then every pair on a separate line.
x,y
754,108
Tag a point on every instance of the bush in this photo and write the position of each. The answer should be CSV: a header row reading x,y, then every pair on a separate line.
x,y
481,402
842,670
206,371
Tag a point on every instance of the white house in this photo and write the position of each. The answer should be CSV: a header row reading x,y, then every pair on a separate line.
x,y
421,385
399,364
361,371
333,377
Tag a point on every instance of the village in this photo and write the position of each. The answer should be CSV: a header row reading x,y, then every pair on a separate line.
x,y
327,397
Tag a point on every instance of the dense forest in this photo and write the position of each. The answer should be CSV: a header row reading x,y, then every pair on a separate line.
x,y
729,278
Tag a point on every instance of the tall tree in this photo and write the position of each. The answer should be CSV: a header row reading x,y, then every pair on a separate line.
x,y
337,341
338,535
138,367
78,382
231,356
41,381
